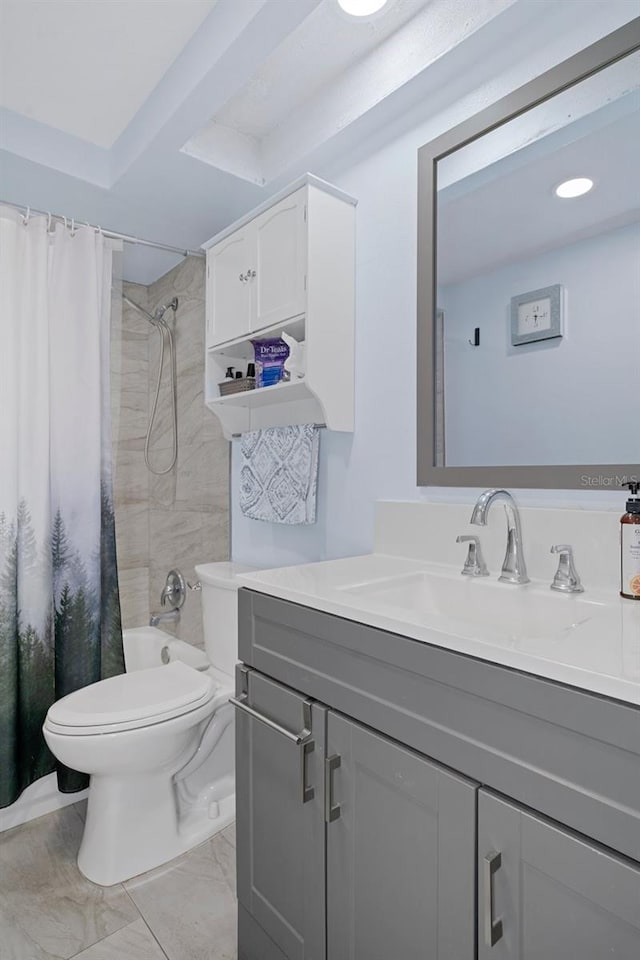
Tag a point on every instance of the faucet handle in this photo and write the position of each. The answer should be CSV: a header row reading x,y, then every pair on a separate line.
x,y
474,565
566,579
174,591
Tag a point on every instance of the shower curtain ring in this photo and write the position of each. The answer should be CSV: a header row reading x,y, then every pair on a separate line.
x,y
26,216
49,222
73,227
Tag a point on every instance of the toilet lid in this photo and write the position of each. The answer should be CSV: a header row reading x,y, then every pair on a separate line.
x,y
142,695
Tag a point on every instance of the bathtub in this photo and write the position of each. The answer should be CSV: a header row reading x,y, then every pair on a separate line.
x,y
151,647
143,647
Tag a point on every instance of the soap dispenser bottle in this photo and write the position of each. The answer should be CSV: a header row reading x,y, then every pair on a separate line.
x,y
630,546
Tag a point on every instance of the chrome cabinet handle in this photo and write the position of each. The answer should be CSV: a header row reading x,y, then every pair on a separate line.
x,y
297,738
302,739
249,275
492,928
331,809
307,792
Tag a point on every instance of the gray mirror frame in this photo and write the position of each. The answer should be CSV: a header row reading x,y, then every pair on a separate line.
x,y
591,60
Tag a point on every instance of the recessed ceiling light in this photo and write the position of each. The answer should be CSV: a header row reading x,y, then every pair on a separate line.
x,y
574,188
361,8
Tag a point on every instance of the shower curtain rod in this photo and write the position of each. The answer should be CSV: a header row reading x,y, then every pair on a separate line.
x,y
108,233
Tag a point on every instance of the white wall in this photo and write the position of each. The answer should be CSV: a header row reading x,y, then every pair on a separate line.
x,y
379,461
567,400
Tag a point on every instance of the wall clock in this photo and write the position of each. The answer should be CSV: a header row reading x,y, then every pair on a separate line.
x,y
536,315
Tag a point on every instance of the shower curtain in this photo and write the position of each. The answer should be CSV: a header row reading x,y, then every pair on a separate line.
x,y
59,605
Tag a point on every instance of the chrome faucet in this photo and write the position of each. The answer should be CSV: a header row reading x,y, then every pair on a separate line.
x,y
514,569
566,579
474,565
164,617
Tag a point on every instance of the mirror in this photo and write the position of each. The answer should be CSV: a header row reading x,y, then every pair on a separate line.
x,y
529,301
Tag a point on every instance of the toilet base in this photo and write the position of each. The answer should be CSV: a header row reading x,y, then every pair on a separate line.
x,y
133,826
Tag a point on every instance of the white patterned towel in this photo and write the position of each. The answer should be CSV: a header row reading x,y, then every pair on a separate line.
x,y
279,474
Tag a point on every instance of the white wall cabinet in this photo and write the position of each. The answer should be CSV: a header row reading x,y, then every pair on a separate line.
x,y
289,265
229,297
281,261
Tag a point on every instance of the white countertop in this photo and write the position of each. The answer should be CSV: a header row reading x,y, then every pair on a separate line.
x,y
590,640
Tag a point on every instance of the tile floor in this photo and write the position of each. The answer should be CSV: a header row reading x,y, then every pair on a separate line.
x,y
185,910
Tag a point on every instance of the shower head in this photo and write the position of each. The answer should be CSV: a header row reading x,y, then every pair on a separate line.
x,y
156,318
160,311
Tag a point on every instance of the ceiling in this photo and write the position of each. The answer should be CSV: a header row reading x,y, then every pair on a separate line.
x,y
316,53
169,119
85,67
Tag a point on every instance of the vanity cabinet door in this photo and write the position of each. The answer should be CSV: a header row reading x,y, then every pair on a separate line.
x,y
546,894
401,849
229,290
281,262
280,835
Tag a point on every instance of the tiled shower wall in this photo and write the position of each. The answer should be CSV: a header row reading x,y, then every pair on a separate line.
x,y
179,518
129,406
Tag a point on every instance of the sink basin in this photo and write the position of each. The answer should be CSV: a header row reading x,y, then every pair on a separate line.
x,y
477,607
590,641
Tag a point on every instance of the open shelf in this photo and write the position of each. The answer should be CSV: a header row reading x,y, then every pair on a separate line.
x,y
263,396
241,348
279,405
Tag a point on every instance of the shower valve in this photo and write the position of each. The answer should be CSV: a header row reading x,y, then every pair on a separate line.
x,y
174,592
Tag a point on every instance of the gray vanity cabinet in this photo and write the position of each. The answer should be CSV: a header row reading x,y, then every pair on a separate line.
x,y
400,851
280,831
547,894
460,810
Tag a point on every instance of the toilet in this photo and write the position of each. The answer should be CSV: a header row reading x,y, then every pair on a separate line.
x,y
158,744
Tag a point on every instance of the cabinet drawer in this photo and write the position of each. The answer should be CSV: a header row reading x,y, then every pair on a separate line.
x,y
571,755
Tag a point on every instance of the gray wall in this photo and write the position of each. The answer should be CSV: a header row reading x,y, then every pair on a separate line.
x,y
182,518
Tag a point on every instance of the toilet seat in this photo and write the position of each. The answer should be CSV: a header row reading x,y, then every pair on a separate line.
x,y
139,699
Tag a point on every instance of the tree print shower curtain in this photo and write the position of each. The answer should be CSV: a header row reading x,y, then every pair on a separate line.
x,y
59,606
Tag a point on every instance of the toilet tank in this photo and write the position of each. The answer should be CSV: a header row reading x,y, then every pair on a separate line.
x,y
220,611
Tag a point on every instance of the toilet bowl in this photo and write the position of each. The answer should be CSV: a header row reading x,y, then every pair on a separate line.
x,y
158,744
